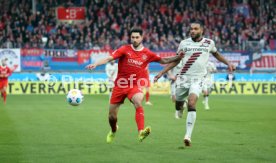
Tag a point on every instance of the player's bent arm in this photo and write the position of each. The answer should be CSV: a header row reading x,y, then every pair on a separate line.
x,y
100,62
166,69
219,57
170,59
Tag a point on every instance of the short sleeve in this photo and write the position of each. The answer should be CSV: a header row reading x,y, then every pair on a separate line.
x,y
213,47
153,57
180,47
214,67
118,53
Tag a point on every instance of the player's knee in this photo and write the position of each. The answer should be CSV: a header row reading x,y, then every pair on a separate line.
x,y
137,104
112,117
191,108
137,101
191,104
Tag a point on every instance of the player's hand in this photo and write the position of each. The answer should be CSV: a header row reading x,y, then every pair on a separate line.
x,y
156,78
90,66
15,67
173,78
231,68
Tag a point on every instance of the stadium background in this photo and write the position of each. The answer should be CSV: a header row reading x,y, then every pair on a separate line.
x,y
64,36
52,41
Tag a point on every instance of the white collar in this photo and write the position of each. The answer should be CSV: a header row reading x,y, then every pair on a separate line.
x,y
137,49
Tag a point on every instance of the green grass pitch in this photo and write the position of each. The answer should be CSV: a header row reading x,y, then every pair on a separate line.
x,y
44,128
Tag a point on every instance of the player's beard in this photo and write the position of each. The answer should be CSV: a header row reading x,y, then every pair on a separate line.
x,y
135,44
196,37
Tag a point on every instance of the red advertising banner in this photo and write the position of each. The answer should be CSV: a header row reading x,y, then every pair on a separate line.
x,y
31,52
70,13
93,55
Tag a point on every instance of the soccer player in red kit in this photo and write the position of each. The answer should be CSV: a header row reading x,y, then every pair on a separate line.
x,y
132,67
5,72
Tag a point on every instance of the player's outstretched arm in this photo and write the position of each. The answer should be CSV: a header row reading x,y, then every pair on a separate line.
x,y
165,70
99,62
176,58
219,57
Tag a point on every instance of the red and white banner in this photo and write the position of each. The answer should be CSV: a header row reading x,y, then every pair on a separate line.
x,y
70,13
267,61
94,55
32,52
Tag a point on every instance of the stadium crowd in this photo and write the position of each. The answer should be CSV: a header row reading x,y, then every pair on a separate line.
x,y
229,23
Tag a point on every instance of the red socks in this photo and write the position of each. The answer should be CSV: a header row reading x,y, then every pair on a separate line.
x,y
147,96
139,117
4,95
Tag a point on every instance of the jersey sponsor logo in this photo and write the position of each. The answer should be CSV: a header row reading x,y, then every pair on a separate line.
x,y
198,49
135,62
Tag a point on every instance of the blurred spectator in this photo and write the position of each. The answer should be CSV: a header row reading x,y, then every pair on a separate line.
x,y
231,23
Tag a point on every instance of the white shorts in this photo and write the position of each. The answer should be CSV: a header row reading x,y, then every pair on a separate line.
x,y
185,89
207,85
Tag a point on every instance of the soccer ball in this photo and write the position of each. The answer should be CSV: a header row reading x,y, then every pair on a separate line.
x,y
74,97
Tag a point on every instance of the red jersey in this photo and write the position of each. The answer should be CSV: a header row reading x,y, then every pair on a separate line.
x,y
132,64
5,71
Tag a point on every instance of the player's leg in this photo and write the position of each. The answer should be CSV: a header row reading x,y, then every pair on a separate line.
x,y
117,98
194,93
179,109
112,118
136,98
206,96
191,118
139,115
148,96
5,94
180,95
3,90
173,92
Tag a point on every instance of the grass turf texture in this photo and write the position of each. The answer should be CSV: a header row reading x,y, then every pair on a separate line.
x,y
45,128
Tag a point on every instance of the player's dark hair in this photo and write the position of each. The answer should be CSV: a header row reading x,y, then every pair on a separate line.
x,y
136,30
197,22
